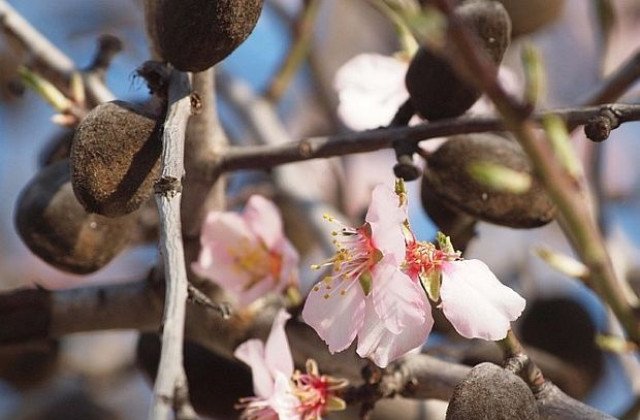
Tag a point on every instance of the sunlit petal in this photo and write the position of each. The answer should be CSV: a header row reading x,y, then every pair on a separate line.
x,y
476,303
336,314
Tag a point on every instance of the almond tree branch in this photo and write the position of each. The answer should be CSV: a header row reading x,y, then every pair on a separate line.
x,y
171,383
31,314
267,156
46,56
574,215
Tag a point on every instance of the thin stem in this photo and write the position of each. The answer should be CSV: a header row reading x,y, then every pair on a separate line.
x,y
518,361
46,56
171,380
617,83
574,215
298,52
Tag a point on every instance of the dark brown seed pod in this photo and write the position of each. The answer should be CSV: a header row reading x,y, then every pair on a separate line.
x,y
491,392
436,91
115,158
193,35
459,226
447,176
528,16
56,228
58,148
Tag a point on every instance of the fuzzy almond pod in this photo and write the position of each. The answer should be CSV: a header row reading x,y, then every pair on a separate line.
x,y
448,176
194,35
436,91
115,158
528,16
56,228
491,392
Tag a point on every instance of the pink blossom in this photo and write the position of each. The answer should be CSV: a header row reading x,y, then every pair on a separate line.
x,y
317,392
367,295
247,254
476,303
281,393
271,368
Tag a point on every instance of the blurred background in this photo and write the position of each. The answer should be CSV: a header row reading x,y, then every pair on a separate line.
x,y
96,374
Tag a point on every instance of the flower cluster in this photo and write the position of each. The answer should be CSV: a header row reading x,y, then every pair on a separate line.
x,y
280,392
382,279
379,290
247,254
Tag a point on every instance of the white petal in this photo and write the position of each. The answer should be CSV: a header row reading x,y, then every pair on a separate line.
x,y
386,218
251,352
371,89
283,401
277,352
382,346
476,303
335,314
398,301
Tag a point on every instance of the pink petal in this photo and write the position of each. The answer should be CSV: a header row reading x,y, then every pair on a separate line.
x,y
263,218
476,303
398,300
277,351
382,346
251,352
283,401
258,290
290,260
386,218
226,228
215,263
335,314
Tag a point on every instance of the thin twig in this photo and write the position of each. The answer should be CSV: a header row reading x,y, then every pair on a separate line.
x,y
574,215
198,297
298,52
617,83
47,56
171,380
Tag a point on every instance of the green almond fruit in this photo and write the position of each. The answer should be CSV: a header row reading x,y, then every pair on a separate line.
x,y
435,90
115,158
448,176
194,35
56,228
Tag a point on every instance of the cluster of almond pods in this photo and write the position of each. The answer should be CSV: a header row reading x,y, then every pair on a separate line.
x,y
437,92
79,211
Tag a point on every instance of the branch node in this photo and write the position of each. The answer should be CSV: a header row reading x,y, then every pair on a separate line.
x,y
196,103
157,76
599,127
108,47
168,186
